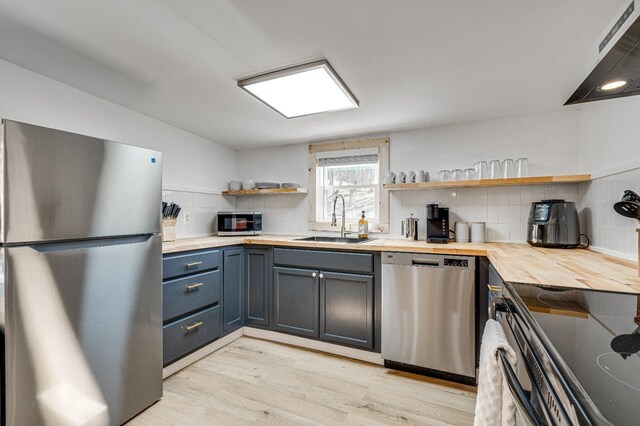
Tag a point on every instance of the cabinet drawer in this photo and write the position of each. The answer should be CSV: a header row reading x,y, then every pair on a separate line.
x,y
331,260
175,265
185,336
184,295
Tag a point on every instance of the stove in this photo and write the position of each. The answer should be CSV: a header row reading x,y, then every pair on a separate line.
x,y
580,350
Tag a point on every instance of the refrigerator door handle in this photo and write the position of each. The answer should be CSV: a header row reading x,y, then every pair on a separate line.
x,y
90,243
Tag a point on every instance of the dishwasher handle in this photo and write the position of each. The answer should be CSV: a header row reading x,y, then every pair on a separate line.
x,y
425,262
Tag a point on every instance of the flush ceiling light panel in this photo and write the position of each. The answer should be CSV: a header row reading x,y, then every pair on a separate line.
x,y
302,90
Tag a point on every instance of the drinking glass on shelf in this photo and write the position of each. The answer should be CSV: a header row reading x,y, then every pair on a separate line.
x,y
469,174
444,175
457,174
522,167
495,170
508,169
482,170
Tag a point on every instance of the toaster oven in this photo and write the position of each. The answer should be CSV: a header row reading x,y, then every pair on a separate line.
x,y
239,223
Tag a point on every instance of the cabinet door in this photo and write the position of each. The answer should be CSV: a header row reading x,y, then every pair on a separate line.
x,y
346,309
296,301
232,300
258,271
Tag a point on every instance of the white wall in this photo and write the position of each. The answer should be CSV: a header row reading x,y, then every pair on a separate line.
x,y
189,161
609,134
609,232
457,146
287,163
549,141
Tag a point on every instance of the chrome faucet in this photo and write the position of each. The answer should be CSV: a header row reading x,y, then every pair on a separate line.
x,y
343,230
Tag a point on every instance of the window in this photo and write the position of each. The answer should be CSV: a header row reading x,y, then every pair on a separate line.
x,y
353,169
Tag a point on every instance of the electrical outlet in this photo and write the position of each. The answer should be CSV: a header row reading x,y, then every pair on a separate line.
x,y
187,217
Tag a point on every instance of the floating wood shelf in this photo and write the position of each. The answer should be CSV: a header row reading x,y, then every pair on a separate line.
x,y
484,183
275,191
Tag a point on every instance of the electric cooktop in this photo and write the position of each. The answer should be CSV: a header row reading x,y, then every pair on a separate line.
x,y
597,335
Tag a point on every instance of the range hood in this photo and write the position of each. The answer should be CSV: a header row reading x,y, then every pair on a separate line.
x,y
613,68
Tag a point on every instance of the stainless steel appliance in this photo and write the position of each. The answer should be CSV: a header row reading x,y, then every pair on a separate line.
x,y
553,223
612,68
239,223
437,224
578,354
410,228
428,314
81,282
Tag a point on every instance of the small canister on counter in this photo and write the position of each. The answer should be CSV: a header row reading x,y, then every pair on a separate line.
x,y
478,232
462,232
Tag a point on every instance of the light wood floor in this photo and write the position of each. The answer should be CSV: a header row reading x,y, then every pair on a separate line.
x,y
252,381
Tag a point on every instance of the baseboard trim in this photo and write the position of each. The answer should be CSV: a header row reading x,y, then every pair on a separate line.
x,y
274,336
201,353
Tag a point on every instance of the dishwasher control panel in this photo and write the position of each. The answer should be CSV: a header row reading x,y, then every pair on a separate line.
x,y
462,263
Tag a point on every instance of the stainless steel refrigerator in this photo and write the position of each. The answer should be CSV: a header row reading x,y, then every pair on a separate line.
x,y
81,268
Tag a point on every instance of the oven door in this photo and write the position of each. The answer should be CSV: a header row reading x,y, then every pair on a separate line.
x,y
527,398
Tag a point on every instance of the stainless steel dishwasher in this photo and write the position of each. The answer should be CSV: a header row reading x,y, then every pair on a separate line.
x,y
428,313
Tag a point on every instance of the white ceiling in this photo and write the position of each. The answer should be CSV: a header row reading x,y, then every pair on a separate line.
x,y
410,63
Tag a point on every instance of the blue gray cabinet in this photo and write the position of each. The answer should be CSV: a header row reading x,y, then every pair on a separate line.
x,y
296,301
346,308
191,298
183,295
188,334
333,296
258,288
232,288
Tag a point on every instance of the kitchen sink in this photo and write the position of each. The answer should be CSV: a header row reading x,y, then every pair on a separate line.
x,y
335,240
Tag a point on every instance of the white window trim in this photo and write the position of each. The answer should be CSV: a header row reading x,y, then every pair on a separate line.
x,y
382,144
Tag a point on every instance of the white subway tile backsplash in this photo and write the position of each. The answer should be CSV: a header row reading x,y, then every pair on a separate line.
x,y
514,214
503,232
514,196
503,214
493,213
202,209
505,210
607,229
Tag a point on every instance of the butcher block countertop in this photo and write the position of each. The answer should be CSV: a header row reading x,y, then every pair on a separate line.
x,y
519,263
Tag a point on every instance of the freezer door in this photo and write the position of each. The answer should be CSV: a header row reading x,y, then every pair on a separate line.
x,y
64,186
83,331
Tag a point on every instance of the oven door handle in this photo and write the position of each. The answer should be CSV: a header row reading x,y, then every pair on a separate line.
x,y
519,396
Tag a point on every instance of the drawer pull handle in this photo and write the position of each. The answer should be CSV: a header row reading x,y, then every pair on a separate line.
x,y
314,274
321,275
194,286
192,264
494,288
194,326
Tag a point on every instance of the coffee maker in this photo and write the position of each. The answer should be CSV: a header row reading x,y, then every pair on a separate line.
x,y
437,224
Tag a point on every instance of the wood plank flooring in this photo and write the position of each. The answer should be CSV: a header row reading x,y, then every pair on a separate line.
x,y
252,381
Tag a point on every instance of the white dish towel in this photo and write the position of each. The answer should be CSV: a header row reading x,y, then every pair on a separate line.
x,y
494,404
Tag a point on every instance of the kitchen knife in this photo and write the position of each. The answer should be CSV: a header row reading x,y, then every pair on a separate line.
x,y
169,209
177,212
173,210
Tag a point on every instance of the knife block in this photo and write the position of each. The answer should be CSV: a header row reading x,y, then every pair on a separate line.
x,y
169,229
